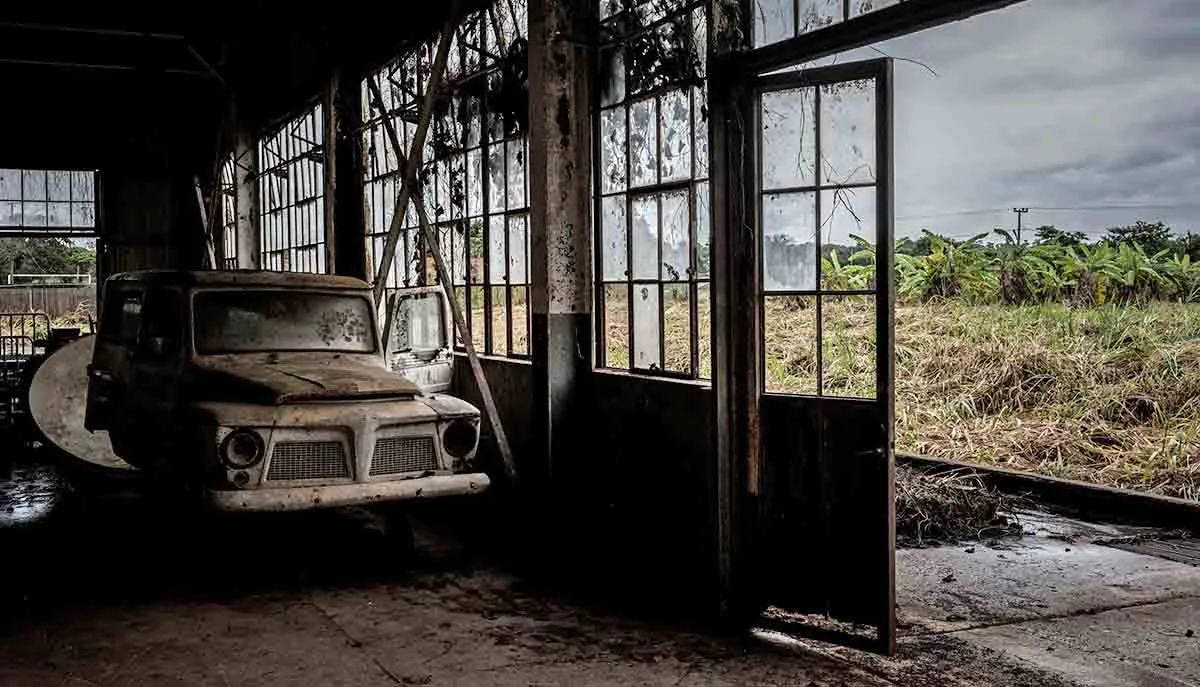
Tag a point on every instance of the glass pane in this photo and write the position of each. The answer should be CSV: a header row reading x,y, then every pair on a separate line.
x,y
848,132
10,184
789,136
790,344
520,320
34,214
499,320
645,237
612,76
458,244
789,242
477,315
518,250
700,120
58,185
33,185
612,150
704,330
83,215
497,259
475,250
848,239
59,215
460,294
496,178
848,346
674,113
700,212
10,213
643,143
677,324
646,327
615,250
817,14
774,20
516,173
861,7
676,243
474,183
456,187
616,326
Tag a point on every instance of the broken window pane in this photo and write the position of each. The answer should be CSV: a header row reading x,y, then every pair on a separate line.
x,y
848,239
774,20
700,123
676,242
612,150
676,135
497,189
612,76
616,326
520,321
817,14
789,242
474,183
790,344
646,327
677,328
848,346
643,143
516,173
644,229
861,7
458,246
663,56
848,132
614,249
789,132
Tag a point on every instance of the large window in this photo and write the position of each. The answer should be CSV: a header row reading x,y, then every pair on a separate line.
x,y
291,187
473,177
57,202
777,20
229,209
652,189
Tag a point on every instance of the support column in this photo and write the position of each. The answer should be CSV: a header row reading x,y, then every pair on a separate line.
x,y
245,177
560,86
344,157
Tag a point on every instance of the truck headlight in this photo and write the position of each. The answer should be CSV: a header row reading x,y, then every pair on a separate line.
x,y
241,449
459,437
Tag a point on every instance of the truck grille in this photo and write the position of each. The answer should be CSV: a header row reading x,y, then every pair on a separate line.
x,y
398,455
294,460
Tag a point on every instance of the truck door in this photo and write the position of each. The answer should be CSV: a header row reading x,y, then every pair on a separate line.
x,y
108,372
418,337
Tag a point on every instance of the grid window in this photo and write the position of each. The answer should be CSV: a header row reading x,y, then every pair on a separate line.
x,y
473,176
777,20
55,202
652,192
229,208
291,189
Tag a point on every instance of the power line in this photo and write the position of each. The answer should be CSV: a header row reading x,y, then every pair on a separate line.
x,y
1077,208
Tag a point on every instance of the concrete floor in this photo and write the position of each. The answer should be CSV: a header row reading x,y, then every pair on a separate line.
x,y
125,593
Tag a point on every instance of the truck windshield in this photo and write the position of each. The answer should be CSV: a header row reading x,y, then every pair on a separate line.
x,y
278,320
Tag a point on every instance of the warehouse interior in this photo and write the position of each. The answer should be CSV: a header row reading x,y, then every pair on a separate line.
x,y
655,472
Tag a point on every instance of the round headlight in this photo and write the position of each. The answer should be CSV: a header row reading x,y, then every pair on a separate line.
x,y
460,437
242,448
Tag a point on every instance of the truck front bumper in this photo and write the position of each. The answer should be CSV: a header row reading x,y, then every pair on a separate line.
x,y
356,494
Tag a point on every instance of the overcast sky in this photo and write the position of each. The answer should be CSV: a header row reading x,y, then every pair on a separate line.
x,y
1050,104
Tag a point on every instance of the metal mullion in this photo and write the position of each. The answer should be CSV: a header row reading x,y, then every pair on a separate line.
x,y
629,280
813,292
485,143
507,270
817,187
817,205
693,290
664,187
795,18
662,313
845,10
600,316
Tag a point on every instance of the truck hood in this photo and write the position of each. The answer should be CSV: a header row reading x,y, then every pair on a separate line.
x,y
290,381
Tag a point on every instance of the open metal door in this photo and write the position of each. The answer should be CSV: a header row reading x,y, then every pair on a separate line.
x,y
824,223
418,330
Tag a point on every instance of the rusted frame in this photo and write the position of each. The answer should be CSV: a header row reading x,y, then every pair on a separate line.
x,y
432,244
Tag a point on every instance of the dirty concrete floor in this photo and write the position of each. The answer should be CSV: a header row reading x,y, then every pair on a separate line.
x,y
120,590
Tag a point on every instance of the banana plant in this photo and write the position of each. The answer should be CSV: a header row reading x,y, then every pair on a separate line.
x,y
1088,271
1183,275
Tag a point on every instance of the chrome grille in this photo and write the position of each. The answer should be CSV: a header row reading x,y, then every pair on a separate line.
x,y
398,455
293,460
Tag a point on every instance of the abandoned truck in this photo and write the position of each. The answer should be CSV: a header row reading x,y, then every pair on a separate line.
x,y
273,391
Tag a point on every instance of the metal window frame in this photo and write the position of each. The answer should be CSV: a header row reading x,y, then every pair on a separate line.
x,y
70,230
282,203
487,28
696,95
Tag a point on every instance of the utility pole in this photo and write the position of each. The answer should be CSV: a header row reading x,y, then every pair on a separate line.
x,y
1020,212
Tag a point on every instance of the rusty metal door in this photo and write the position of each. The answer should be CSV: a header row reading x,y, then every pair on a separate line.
x,y
824,223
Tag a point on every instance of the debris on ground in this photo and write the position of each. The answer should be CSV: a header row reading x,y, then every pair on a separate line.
x,y
950,507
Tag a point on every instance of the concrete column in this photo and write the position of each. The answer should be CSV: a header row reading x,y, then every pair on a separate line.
x,y
560,69
245,177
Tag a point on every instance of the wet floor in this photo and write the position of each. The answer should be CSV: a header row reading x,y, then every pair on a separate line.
x,y
30,493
